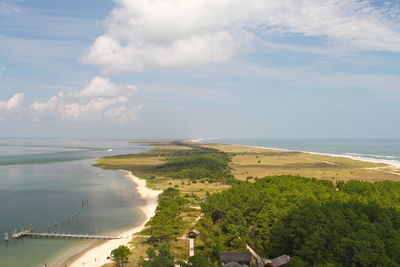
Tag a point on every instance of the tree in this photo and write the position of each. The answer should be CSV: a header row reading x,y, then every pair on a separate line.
x,y
308,219
120,255
162,259
200,261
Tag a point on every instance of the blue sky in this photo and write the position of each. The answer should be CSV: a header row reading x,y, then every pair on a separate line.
x,y
201,68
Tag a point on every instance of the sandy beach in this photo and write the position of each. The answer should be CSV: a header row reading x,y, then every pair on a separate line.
x,y
393,163
97,256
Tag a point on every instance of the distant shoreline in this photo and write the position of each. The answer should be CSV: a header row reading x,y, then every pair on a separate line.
x,y
97,256
393,163
151,196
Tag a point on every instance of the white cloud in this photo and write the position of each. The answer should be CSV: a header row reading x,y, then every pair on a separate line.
x,y
12,104
103,87
148,34
101,100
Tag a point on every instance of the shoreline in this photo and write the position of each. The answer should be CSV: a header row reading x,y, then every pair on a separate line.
x,y
102,251
97,256
391,163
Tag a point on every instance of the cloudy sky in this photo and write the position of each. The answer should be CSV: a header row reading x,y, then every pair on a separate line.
x,y
200,68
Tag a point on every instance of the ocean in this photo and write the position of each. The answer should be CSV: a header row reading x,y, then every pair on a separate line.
x,y
44,181
384,150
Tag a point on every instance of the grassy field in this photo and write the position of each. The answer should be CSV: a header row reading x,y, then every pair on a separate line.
x,y
148,165
246,164
257,162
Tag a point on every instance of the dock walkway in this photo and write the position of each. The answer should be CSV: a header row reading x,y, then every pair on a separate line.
x,y
29,233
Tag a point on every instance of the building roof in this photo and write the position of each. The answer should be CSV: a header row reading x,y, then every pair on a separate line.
x,y
194,231
281,260
232,256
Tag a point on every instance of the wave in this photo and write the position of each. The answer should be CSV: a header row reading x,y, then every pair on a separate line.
x,y
395,163
390,160
370,155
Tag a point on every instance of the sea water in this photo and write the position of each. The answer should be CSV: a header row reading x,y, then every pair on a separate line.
x,y
385,150
44,181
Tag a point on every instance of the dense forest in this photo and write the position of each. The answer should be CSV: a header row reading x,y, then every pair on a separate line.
x,y
166,223
315,221
198,163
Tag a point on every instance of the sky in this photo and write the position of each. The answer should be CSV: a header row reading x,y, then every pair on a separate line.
x,y
200,68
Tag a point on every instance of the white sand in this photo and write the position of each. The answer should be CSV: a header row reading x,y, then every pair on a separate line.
x,y
97,256
393,163
201,140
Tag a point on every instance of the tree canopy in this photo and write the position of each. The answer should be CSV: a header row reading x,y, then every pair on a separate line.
x,y
160,257
317,222
166,224
198,163
120,255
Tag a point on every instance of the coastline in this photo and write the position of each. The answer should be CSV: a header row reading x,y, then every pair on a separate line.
x,y
391,163
101,251
97,256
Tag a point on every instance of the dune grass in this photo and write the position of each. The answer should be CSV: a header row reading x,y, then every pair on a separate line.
x,y
158,167
257,162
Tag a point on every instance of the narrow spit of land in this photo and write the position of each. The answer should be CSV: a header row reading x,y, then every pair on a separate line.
x,y
169,166
164,168
259,162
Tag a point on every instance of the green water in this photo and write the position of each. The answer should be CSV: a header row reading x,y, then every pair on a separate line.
x,y
45,181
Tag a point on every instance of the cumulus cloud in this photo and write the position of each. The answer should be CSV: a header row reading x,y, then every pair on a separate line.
x,y
103,87
100,100
12,104
147,34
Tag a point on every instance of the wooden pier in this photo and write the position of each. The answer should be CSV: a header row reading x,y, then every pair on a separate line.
x,y
29,233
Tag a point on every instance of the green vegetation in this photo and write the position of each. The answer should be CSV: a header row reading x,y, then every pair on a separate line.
x,y
166,224
175,160
351,224
258,162
316,221
198,163
179,206
160,257
120,255
199,261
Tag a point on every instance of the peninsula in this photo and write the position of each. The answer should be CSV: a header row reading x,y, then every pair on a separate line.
x,y
191,177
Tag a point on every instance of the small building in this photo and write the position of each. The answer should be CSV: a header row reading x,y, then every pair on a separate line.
x,y
280,261
193,234
236,259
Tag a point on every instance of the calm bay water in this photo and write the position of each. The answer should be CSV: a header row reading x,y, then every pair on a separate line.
x,y
382,150
43,181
